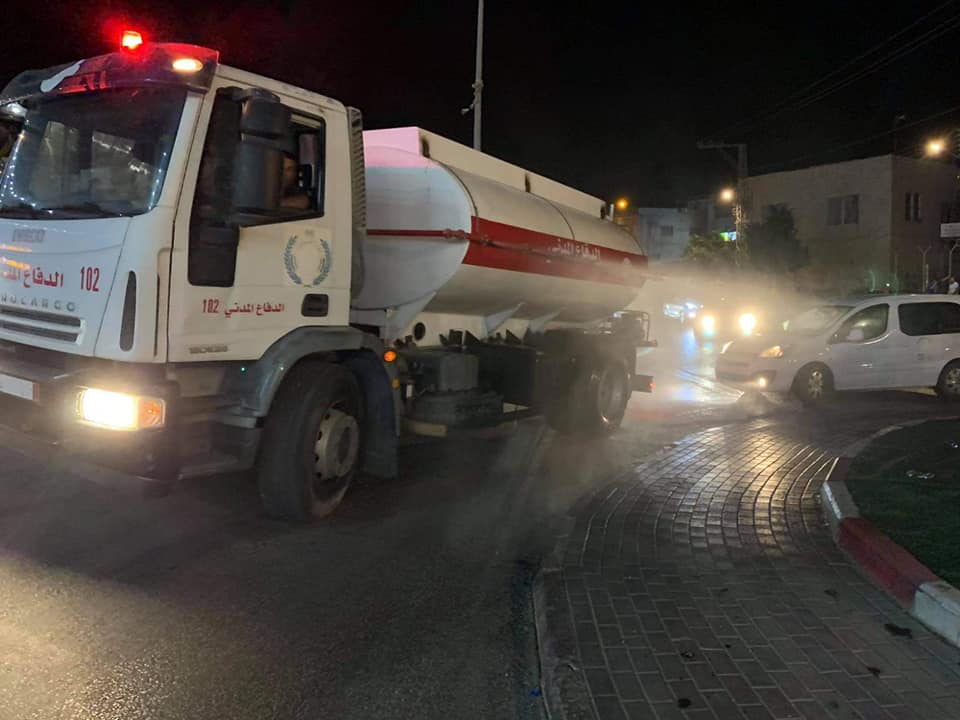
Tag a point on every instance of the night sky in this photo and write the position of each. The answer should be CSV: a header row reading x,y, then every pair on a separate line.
x,y
608,97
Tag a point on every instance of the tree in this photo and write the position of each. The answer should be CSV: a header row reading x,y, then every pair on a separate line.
x,y
711,252
773,244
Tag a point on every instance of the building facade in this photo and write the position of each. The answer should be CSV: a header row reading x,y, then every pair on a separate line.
x,y
709,216
865,223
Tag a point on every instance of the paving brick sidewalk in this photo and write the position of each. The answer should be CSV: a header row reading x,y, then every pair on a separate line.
x,y
706,585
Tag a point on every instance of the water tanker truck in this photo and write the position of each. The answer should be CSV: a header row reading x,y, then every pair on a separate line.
x,y
203,270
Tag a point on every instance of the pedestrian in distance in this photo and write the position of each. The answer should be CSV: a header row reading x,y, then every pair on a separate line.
x,y
952,285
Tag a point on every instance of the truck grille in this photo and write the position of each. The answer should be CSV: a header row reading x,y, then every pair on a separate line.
x,y
39,323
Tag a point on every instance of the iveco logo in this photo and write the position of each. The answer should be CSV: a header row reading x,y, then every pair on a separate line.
x,y
28,236
38,303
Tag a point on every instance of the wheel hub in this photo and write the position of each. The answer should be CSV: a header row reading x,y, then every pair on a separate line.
x,y
815,384
338,442
952,381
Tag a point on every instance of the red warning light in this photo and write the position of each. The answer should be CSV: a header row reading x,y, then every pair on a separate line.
x,y
131,40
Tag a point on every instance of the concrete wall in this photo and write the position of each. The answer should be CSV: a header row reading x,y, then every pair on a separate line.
x,y
935,182
842,256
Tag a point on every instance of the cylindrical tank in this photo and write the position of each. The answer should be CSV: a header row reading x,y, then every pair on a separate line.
x,y
483,236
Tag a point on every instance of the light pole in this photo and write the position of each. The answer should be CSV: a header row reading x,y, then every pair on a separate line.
x,y
477,81
924,269
741,167
732,197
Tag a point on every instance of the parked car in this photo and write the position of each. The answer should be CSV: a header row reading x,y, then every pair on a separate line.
x,y
880,343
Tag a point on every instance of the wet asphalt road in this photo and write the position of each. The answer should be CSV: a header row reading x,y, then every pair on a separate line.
x,y
412,602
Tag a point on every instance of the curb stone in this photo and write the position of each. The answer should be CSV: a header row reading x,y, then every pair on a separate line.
x,y
931,600
566,695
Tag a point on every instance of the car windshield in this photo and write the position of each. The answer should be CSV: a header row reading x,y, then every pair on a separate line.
x,y
100,154
815,319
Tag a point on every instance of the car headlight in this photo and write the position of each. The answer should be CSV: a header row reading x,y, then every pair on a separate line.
x,y
776,351
748,323
726,346
119,411
708,323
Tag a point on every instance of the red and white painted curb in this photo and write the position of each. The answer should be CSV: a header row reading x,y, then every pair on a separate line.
x,y
929,599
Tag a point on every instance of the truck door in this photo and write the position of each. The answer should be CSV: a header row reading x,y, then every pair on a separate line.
x,y
242,278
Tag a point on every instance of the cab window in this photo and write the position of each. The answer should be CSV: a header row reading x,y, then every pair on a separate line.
x,y
273,173
868,324
302,185
302,171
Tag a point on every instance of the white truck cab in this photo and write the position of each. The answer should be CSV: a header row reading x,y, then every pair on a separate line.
x,y
180,246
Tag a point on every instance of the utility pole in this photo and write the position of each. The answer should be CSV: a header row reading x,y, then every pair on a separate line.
x,y
478,81
896,121
740,165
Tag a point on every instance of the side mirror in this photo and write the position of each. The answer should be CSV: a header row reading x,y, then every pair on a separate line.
x,y
264,117
258,159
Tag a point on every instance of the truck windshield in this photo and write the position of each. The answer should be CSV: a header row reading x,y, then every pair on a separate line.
x,y
100,154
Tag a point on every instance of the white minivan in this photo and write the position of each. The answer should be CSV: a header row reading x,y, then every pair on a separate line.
x,y
896,341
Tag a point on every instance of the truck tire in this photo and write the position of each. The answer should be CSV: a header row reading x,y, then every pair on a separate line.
x,y
607,395
813,384
311,442
596,401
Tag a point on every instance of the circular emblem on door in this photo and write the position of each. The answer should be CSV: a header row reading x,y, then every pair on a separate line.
x,y
307,260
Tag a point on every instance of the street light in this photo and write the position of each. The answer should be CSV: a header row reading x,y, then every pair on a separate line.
x,y
622,204
727,195
935,147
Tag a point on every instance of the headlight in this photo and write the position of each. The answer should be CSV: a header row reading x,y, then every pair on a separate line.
x,y
726,346
748,323
772,352
119,411
708,323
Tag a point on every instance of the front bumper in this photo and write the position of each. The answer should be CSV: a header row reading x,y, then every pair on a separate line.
x,y
51,416
753,374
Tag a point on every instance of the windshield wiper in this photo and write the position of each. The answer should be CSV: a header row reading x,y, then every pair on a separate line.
x,y
21,209
85,207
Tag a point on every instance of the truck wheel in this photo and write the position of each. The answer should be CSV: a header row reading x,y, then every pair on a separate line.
x,y
607,395
948,385
311,442
595,402
813,384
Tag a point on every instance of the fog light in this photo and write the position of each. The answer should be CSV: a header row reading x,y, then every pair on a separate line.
x,y
119,411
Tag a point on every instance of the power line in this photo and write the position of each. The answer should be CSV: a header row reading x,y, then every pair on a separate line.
x,y
784,104
876,65
861,141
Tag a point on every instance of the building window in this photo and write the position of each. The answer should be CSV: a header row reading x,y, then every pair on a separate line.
x,y
916,207
666,231
851,210
769,210
835,211
843,210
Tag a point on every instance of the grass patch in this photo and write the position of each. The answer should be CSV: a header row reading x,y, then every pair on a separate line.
x,y
920,514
